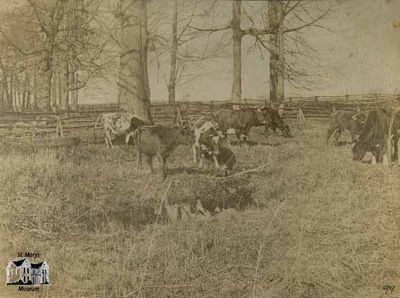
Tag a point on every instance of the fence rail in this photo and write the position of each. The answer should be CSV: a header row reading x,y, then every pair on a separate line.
x,y
64,122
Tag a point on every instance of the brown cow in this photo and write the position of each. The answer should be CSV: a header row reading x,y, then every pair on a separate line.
x,y
161,141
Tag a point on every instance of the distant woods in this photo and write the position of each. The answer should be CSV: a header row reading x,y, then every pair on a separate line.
x,y
52,49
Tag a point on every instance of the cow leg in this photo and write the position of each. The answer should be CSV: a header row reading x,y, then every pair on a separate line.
x,y
216,162
106,139
329,134
127,138
149,160
201,161
163,164
139,160
385,160
373,160
238,135
194,154
336,136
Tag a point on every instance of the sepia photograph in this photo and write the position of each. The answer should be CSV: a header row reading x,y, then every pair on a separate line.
x,y
199,148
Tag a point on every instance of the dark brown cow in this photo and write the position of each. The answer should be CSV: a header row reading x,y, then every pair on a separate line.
x,y
239,120
161,141
373,137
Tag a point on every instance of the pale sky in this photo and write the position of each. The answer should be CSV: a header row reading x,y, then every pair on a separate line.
x,y
360,54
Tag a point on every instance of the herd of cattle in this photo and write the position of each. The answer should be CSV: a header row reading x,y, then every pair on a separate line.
x,y
368,130
207,137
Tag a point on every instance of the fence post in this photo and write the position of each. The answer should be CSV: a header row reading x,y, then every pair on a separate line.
x,y
178,118
300,115
59,127
316,98
389,137
346,97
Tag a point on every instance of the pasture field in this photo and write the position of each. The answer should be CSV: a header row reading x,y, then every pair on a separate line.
x,y
313,223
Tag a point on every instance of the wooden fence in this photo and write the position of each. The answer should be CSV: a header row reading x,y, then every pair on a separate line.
x,y
64,122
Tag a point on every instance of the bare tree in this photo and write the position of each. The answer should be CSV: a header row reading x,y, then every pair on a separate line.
x,y
287,20
237,36
283,17
59,47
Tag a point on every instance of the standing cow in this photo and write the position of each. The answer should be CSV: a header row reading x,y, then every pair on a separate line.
x,y
160,141
340,121
119,124
239,120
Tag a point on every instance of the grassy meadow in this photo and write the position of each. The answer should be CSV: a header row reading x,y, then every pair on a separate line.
x,y
312,223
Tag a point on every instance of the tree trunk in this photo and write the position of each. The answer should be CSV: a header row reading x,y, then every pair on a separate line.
x,y
65,88
174,50
6,92
28,93
54,91
35,93
49,84
12,92
237,52
25,93
133,79
276,62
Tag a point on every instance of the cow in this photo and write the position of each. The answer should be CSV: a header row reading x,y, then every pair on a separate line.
x,y
239,120
119,124
225,157
273,120
341,121
207,141
161,141
373,137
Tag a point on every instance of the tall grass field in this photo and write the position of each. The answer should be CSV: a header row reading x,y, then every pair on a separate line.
x,y
311,223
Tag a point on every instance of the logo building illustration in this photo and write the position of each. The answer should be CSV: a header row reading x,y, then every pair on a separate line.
x,y
23,272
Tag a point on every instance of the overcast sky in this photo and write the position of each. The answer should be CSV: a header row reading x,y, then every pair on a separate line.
x,y
360,54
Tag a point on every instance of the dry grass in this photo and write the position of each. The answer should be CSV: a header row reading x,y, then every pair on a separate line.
x,y
312,224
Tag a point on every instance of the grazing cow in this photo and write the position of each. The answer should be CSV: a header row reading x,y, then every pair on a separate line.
x,y
373,137
273,120
161,141
207,141
340,121
239,120
119,124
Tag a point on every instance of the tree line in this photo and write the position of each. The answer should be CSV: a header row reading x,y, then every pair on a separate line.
x,y
51,49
